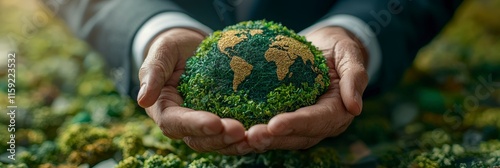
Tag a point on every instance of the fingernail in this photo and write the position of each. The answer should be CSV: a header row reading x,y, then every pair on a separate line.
x,y
140,95
229,139
244,148
208,131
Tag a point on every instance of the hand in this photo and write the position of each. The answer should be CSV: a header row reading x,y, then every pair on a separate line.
x,y
160,74
334,110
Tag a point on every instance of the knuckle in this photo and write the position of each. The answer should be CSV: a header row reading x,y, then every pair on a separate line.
x,y
168,130
157,118
157,66
348,43
154,67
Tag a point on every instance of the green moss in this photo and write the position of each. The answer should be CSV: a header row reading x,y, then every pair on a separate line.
x,y
437,137
129,162
155,139
76,136
158,161
92,153
201,163
445,156
130,144
323,157
489,146
209,80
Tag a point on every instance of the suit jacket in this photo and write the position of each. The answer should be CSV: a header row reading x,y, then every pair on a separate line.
x,y
402,26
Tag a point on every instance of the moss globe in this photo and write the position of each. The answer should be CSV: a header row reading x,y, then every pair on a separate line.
x,y
252,71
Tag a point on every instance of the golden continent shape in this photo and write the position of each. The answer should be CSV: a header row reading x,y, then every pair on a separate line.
x,y
283,52
241,70
230,38
240,67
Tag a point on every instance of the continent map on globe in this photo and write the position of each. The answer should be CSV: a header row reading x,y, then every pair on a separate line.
x,y
252,71
283,51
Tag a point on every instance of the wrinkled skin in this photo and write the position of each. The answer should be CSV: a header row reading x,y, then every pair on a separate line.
x,y
204,131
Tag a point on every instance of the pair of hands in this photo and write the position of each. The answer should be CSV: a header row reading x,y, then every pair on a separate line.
x,y
205,131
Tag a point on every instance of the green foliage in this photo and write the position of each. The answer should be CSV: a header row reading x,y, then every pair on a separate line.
x,y
392,156
155,139
491,152
30,136
150,160
437,137
4,131
92,153
131,144
158,161
490,146
209,80
84,143
130,162
372,129
323,157
47,152
440,157
314,157
21,165
201,163
481,119
76,136
39,119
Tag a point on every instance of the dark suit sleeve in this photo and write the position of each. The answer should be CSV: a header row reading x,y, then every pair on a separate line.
x,y
402,27
109,27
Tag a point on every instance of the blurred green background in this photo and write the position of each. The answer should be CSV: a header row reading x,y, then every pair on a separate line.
x,y
444,113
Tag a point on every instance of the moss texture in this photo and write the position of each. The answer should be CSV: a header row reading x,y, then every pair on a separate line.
x,y
252,71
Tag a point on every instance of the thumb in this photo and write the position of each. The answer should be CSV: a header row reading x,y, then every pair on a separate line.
x,y
353,75
155,71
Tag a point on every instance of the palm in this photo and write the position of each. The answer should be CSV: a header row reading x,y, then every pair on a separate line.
x,y
169,96
334,110
332,99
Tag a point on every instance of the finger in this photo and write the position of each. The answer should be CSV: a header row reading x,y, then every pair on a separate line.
x,y
233,132
178,122
325,118
240,148
259,137
292,143
352,72
155,71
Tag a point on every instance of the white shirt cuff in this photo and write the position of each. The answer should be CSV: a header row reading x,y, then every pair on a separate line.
x,y
158,24
362,31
